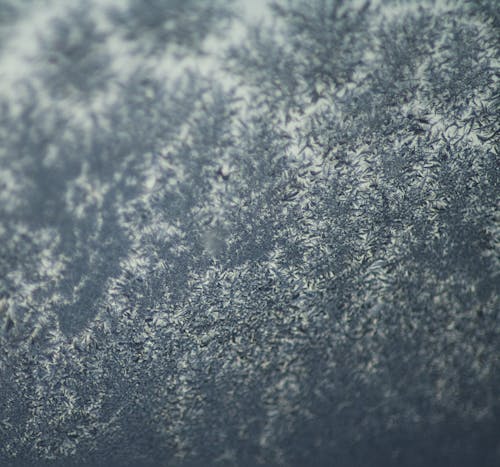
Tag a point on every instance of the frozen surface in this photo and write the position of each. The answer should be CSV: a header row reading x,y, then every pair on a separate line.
x,y
241,234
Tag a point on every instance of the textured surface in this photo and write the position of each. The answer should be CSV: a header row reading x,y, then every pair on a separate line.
x,y
223,244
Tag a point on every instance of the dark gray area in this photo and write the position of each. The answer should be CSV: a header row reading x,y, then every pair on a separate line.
x,y
235,242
